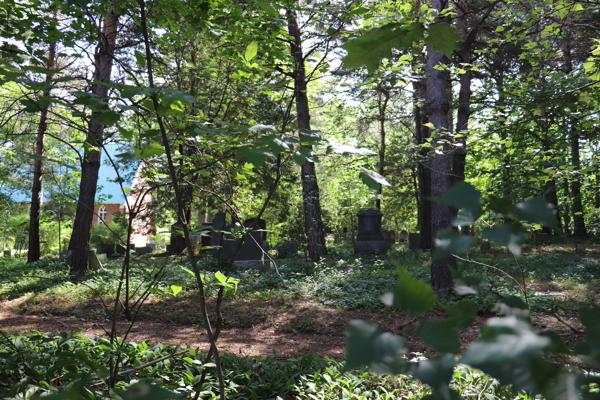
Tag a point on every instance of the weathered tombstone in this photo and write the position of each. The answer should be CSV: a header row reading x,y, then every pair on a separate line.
x,y
105,248
177,240
347,235
261,225
414,243
540,238
390,237
403,236
140,251
336,238
120,249
370,239
65,254
94,263
218,224
287,249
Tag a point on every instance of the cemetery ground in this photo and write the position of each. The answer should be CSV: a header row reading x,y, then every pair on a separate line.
x,y
297,311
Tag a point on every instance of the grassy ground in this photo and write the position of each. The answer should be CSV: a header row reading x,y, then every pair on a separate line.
x,y
559,281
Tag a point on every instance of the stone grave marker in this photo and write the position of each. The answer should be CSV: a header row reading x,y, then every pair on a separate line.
x,y
287,249
65,254
403,236
540,238
370,239
414,243
93,261
251,254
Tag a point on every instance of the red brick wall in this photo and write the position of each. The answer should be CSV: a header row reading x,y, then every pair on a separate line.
x,y
111,209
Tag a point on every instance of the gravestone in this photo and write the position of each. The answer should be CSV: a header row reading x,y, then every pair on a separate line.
x,y
93,261
336,238
370,239
414,243
540,238
120,249
105,248
403,236
251,253
177,240
65,254
218,224
390,237
287,249
140,251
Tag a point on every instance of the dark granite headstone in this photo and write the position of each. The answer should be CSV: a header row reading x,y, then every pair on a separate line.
x,y
143,250
287,249
414,242
540,238
370,239
252,250
120,249
369,225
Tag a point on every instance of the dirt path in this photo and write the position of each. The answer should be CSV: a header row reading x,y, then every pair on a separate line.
x,y
252,327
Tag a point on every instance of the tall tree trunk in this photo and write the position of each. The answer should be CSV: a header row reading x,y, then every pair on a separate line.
x,y
423,168
464,97
33,253
441,169
578,212
82,227
313,224
384,96
567,211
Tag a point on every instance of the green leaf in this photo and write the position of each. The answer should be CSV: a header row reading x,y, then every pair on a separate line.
x,y
106,118
251,50
512,305
369,345
462,313
443,37
441,334
372,179
34,106
378,43
220,277
436,373
140,59
411,295
467,217
462,195
176,289
469,284
267,8
510,235
510,351
151,150
449,241
536,211
145,391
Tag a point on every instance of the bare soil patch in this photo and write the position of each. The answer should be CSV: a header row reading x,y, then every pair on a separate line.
x,y
288,327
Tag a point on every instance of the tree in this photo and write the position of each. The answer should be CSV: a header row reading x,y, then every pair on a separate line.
x,y
103,62
33,253
441,167
313,223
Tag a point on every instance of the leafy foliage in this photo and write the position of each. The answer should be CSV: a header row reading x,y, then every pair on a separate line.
x,y
509,349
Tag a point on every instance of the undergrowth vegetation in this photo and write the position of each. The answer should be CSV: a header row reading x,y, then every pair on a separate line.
x,y
36,364
557,281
